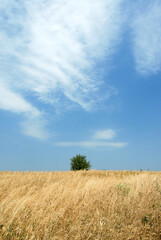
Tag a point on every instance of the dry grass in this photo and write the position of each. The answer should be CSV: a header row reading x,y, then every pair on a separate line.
x,y
81,205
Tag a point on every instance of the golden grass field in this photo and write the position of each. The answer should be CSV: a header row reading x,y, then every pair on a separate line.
x,y
81,205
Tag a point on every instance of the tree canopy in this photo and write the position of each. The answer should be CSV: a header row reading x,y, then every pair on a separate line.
x,y
79,162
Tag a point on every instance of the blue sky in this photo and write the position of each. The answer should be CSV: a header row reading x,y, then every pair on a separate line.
x,y
80,77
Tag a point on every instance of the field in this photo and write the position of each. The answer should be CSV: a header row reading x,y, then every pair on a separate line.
x,y
83,205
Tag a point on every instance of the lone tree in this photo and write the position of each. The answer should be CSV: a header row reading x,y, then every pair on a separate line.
x,y
79,162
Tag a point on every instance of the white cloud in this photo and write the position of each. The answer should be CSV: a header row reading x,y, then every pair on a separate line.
x,y
14,102
56,45
49,49
35,127
147,38
104,134
99,136
92,144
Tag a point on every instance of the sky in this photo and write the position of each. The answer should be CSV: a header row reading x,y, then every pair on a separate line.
x,y
80,77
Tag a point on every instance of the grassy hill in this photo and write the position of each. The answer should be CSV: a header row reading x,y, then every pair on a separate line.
x,y
84,205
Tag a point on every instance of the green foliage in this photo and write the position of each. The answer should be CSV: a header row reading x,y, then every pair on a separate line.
x,y
10,233
146,219
124,189
79,162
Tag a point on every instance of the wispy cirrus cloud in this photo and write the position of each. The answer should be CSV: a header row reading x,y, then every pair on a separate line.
x,y
91,144
35,127
14,102
104,134
34,124
97,140
65,40
146,28
50,49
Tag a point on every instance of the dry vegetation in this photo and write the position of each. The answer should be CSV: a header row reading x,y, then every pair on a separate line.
x,y
80,205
